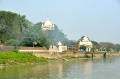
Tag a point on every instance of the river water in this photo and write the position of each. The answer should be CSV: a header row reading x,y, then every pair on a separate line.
x,y
108,68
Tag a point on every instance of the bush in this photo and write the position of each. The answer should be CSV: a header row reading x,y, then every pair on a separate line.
x,y
42,59
12,42
16,51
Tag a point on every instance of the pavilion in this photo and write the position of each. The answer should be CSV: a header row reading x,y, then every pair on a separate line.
x,y
86,42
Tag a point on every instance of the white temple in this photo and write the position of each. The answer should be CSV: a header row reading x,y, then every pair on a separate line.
x,y
47,25
86,42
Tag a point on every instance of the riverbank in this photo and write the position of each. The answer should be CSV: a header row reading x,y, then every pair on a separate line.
x,y
71,54
15,58
79,68
11,58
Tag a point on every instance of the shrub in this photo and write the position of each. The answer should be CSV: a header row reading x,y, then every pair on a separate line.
x,y
16,51
42,59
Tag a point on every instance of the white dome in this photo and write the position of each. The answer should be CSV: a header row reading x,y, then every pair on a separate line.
x,y
85,39
47,23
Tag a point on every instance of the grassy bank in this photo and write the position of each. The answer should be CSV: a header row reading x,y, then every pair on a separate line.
x,y
11,58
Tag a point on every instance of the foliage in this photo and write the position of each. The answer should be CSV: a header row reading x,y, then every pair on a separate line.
x,y
57,35
42,59
108,46
117,47
96,45
15,58
77,44
16,29
45,38
16,51
12,42
13,26
36,35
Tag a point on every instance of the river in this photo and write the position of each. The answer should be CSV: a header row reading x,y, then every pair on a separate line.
x,y
108,68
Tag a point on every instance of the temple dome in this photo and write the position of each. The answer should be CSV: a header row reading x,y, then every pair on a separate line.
x,y
47,23
85,39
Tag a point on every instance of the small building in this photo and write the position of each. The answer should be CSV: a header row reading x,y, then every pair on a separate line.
x,y
61,47
86,42
47,25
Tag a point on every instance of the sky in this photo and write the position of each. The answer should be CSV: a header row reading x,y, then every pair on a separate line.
x,y
97,19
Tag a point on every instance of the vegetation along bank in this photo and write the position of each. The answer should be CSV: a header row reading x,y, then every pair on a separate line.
x,y
16,58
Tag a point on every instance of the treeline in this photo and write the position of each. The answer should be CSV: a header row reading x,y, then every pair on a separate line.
x,y
105,46
16,30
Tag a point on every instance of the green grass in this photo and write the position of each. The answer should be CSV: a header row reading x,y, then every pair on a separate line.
x,y
68,57
16,58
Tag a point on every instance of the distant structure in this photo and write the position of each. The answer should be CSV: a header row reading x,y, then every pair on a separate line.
x,y
47,25
86,42
60,47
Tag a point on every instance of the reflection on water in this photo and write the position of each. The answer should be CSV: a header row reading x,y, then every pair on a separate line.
x,y
71,69
87,69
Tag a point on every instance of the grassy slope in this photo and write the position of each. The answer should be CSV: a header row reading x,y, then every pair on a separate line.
x,y
16,58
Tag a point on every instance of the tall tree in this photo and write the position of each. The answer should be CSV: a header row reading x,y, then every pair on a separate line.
x,y
96,45
12,26
36,35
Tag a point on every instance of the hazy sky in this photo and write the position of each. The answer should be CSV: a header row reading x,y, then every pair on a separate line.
x,y
97,19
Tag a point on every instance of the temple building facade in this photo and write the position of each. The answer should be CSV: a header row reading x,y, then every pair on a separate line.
x,y
86,42
47,25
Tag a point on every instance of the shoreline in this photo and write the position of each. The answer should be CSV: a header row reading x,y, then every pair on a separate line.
x,y
8,59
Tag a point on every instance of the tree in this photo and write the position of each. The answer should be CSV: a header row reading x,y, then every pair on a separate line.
x,y
96,45
108,46
7,25
36,35
13,26
117,47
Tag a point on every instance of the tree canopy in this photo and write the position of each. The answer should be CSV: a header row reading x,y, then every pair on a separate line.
x,y
13,26
35,34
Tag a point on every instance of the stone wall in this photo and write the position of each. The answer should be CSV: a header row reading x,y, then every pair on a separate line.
x,y
7,48
31,48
